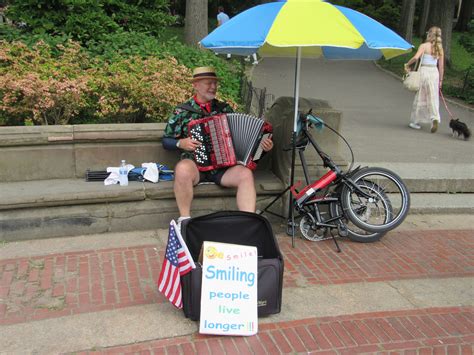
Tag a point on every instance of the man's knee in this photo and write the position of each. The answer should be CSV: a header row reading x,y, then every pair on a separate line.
x,y
245,175
186,170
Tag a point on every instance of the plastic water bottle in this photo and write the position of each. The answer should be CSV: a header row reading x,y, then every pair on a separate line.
x,y
123,174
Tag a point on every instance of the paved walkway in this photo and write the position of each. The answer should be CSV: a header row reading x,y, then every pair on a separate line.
x,y
413,291
376,110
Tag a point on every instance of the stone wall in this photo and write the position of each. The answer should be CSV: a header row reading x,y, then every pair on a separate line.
x,y
66,152
42,170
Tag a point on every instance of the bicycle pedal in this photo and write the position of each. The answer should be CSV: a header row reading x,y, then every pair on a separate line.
x,y
342,230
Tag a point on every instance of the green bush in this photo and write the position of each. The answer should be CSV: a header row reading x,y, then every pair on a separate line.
x,y
84,20
230,73
11,34
140,16
140,90
467,39
122,44
112,46
386,12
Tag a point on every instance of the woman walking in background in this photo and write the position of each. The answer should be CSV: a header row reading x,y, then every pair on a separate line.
x,y
426,104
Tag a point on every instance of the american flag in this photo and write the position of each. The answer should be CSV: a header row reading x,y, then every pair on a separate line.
x,y
177,262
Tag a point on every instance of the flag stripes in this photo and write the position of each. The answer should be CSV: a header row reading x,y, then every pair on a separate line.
x,y
177,263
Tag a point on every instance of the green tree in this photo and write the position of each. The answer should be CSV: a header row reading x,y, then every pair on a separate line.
x,y
406,19
465,16
442,15
424,18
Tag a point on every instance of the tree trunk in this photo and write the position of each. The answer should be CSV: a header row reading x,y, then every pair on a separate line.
x,y
422,23
441,15
464,16
407,16
196,26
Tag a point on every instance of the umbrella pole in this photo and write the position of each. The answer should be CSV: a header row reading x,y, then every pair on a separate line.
x,y
291,214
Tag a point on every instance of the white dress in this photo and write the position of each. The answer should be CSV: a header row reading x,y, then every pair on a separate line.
x,y
426,104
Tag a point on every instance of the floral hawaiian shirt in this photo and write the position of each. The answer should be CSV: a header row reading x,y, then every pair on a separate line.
x,y
177,126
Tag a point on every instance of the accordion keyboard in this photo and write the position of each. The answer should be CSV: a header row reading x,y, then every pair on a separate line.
x,y
216,149
227,140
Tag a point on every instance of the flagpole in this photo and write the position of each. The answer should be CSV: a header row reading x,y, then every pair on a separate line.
x,y
291,215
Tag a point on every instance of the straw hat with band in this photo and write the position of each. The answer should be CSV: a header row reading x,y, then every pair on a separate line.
x,y
204,73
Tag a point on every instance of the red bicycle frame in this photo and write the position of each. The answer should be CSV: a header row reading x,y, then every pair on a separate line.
x,y
309,190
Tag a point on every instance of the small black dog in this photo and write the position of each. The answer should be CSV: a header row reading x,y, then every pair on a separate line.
x,y
459,128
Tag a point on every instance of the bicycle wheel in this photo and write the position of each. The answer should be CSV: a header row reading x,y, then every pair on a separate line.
x,y
355,233
370,211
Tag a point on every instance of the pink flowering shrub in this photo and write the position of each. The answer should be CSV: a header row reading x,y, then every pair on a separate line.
x,y
36,87
147,89
64,85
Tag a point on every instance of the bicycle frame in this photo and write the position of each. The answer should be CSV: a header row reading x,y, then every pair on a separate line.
x,y
331,176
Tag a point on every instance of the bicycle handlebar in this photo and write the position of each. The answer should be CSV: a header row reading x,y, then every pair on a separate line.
x,y
316,121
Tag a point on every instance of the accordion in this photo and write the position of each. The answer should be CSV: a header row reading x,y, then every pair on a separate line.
x,y
228,139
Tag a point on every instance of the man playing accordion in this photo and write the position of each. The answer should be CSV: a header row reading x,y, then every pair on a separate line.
x,y
187,175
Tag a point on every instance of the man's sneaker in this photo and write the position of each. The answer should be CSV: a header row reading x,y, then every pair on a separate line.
x,y
255,62
414,125
434,126
180,219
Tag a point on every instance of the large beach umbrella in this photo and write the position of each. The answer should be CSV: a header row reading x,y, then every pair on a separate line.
x,y
305,28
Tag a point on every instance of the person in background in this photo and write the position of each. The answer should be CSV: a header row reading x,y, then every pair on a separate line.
x,y
222,18
187,175
426,104
254,56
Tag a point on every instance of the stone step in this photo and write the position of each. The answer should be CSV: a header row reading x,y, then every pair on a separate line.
x,y
442,203
419,178
70,207
429,177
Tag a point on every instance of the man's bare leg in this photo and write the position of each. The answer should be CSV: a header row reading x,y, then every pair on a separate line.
x,y
186,175
242,178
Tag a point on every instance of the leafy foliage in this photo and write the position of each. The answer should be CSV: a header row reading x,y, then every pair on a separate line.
x,y
36,87
467,39
65,84
386,12
85,20
11,34
139,90
124,44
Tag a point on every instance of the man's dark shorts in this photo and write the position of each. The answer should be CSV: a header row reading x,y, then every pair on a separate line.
x,y
214,176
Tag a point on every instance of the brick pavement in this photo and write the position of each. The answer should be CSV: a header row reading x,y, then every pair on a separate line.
x,y
89,281
57,285
425,331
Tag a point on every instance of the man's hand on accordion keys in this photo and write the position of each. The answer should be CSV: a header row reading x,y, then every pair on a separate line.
x,y
267,143
189,144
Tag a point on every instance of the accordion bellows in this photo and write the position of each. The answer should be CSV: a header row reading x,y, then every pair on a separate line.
x,y
227,140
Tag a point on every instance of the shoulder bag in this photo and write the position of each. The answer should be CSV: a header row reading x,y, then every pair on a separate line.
x,y
411,80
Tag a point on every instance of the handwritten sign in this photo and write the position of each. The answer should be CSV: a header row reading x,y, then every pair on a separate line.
x,y
229,289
